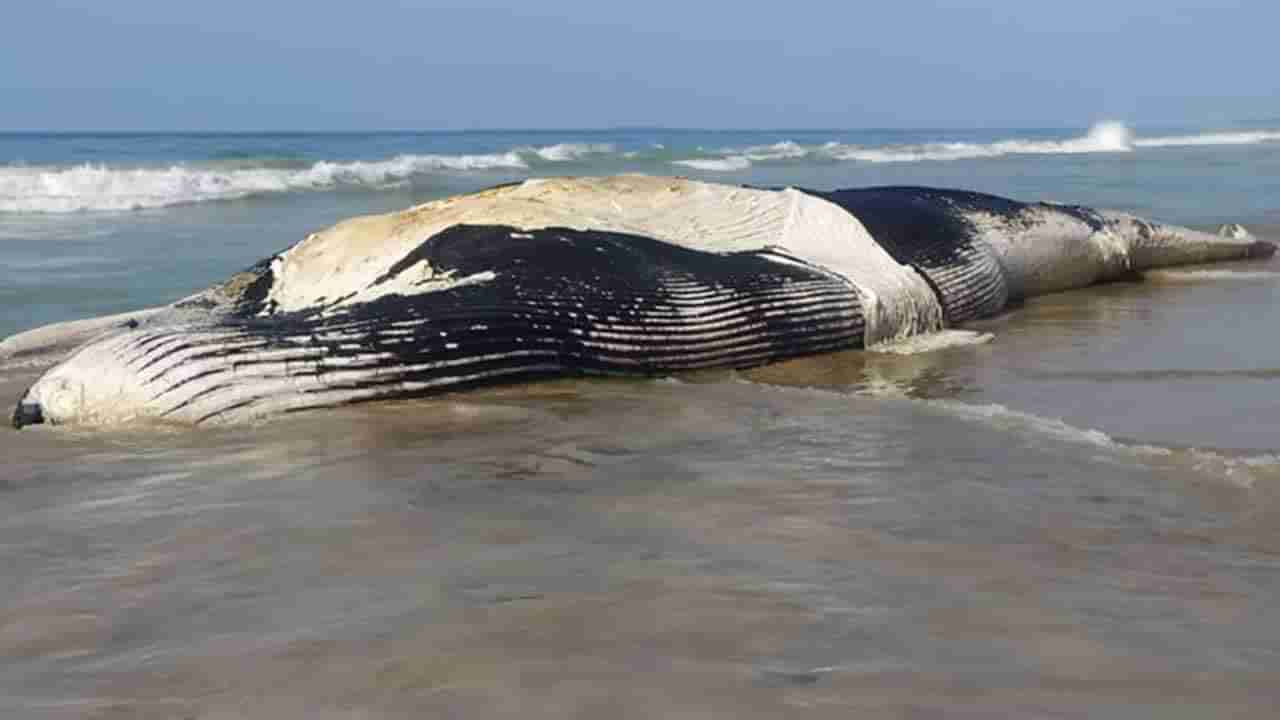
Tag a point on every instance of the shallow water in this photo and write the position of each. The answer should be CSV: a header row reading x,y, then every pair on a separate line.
x,y
1079,519
837,534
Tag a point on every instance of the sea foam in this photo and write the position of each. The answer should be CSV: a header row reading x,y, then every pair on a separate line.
x,y
1104,137
1251,137
1242,469
100,187
567,152
1107,137
92,187
733,163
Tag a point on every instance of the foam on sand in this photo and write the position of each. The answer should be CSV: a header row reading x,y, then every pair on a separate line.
x,y
1194,276
1241,469
932,342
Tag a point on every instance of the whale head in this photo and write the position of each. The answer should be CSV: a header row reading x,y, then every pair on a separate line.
x,y
91,387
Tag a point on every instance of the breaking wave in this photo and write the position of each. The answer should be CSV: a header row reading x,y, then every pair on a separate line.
x,y
566,152
99,187
728,164
103,187
1105,137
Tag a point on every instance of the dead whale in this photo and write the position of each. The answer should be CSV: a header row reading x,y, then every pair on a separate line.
x,y
629,275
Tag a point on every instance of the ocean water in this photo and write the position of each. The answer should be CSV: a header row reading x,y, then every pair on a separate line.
x,y
1079,519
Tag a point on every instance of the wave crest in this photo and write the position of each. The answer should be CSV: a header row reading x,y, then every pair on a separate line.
x,y
99,187
52,189
1249,137
568,152
1102,138
733,163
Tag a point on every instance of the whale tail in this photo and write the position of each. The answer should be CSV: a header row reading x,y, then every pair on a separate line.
x,y
1153,245
1257,248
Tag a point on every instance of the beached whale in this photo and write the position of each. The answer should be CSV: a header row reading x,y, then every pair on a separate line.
x,y
604,276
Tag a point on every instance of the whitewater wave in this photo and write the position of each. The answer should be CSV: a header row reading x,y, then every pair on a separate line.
x,y
46,189
99,187
104,188
1104,137
1108,137
568,152
785,150
1252,137
733,163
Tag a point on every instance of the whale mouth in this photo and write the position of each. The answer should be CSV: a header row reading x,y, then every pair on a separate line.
x,y
27,413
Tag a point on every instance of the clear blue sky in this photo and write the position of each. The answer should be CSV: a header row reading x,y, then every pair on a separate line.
x,y
376,64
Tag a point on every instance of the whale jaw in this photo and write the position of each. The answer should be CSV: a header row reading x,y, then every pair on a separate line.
x,y
27,413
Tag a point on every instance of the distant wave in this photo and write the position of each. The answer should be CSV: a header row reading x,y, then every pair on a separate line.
x,y
96,187
1106,137
1103,137
566,152
726,164
737,160
1229,138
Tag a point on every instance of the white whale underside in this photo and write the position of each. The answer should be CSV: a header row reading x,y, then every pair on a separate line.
x,y
181,364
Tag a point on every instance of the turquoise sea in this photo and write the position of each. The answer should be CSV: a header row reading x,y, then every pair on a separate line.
x,y
1079,519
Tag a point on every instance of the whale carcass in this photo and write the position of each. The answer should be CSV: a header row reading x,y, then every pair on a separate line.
x,y
630,275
